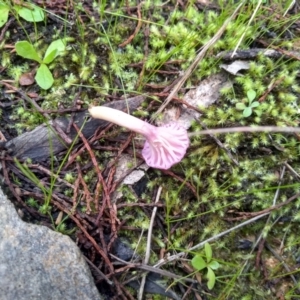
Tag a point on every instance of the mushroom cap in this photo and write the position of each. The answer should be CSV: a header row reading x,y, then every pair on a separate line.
x,y
165,145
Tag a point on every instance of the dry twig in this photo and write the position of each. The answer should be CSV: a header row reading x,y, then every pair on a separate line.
x,y
137,29
148,249
198,58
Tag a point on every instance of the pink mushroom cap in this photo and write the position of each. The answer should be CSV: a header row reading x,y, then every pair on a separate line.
x,y
165,145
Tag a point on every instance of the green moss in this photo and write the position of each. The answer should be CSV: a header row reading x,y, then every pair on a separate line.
x,y
213,187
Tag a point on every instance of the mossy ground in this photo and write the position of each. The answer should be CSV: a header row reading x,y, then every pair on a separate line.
x,y
208,192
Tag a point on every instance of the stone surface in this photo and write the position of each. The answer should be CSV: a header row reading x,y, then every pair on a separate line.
x,y
130,170
37,263
236,66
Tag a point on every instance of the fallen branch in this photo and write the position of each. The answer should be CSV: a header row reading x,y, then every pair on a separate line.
x,y
44,141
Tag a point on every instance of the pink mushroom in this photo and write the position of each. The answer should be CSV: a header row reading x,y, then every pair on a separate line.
x,y
165,145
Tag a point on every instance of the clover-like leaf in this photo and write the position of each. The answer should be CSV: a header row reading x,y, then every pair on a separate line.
x,y
58,45
32,13
4,10
44,77
208,252
251,94
247,112
198,262
211,278
254,104
26,50
240,106
213,265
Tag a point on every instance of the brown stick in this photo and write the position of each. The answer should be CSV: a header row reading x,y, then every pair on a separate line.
x,y
137,29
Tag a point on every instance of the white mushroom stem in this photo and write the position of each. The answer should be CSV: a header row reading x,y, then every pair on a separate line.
x,y
120,118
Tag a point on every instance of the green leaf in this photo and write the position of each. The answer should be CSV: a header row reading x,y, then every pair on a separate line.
x,y
251,94
59,46
30,14
247,112
4,10
208,252
211,278
198,263
254,104
214,265
26,50
240,106
44,77
50,57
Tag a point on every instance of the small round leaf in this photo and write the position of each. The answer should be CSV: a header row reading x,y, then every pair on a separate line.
x,y
251,94
54,49
247,112
26,50
49,58
214,265
254,104
198,263
44,77
208,252
240,106
4,10
31,14
211,278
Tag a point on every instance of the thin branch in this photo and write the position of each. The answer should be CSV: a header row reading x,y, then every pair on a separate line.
x,y
213,238
283,263
260,238
292,170
250,21
262,214
137,28
151,269
98,271
199,57
220,144
148,249
246,129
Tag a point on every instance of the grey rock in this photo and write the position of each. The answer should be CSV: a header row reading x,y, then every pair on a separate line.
x,y
37,263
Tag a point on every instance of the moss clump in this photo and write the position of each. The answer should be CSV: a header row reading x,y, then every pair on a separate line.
x,y
208,192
